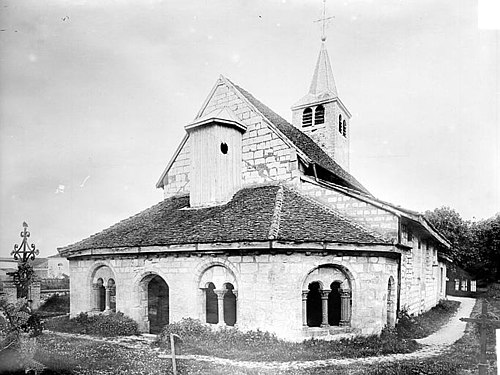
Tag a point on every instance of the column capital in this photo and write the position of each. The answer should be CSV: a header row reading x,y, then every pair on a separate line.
x,y
325,293
95,286
220,293
345,293
304,294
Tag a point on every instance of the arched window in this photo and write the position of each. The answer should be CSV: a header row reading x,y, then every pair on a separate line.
x,y
101,295
103,289
344,128
211,305
229,305
307,117
314,313
319,115
340,124
327,297
218,287
334,304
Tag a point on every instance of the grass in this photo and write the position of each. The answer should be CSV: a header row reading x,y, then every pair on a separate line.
x,y
81,356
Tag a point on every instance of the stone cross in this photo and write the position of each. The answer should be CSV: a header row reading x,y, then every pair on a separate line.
x,y
483,323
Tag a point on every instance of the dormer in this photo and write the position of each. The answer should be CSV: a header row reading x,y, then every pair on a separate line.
x,y
215,157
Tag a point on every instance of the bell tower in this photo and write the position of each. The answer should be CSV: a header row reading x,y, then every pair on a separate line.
x,y
321,114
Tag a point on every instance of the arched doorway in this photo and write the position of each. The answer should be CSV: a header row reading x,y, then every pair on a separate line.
x,y
229,305
211,305
314,313
334,304
158,304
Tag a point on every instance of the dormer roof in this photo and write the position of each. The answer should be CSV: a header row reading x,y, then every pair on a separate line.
x,y
221,116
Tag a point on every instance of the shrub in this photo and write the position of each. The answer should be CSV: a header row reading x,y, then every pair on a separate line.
x,y
199,338
109,325
56,303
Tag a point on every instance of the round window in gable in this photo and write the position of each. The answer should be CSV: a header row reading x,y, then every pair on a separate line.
x,y
224,148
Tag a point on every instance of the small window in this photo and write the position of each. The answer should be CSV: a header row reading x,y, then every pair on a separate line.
x,y
319,115
223,148
340,124
344,128
410,235
419,244
307,117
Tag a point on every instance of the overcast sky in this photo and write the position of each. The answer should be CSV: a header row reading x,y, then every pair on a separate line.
x,y
94,96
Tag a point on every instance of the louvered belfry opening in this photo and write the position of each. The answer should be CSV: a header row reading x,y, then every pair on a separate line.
x,y
307,117
319,115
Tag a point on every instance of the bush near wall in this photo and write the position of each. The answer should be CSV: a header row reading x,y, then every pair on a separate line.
x,y
108,325
200,338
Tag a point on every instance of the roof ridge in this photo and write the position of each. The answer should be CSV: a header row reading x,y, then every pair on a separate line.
x,y
331,210
275,221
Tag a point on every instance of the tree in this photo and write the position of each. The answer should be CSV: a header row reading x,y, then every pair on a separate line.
x,y
458,232
475,247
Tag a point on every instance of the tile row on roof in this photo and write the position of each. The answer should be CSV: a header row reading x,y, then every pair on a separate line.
x,y
251,215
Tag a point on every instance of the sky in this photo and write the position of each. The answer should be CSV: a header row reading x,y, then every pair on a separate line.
x,y
95,94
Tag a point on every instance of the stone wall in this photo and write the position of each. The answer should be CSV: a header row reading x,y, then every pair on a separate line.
x,y
269,288
265,156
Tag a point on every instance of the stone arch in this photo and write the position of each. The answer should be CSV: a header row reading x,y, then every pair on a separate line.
x,y
334,284
96,270
154,299
219,275
205,265
391,302
218,286
101,279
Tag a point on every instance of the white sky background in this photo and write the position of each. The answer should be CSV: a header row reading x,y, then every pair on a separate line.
x,y
104,88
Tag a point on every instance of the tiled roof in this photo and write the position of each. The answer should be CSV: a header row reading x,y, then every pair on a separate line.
x,y
254,214
304,143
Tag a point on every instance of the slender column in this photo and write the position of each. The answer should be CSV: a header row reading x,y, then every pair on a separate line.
x,y
304,308
345,307
324,305
95,297
390,313
220,305
108,298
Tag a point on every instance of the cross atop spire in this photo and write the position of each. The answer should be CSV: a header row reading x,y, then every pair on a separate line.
x,y
324,20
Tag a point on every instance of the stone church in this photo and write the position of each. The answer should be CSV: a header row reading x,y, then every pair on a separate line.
x,y
263,227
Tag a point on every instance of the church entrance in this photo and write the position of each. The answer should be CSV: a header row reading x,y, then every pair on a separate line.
x,y
158,304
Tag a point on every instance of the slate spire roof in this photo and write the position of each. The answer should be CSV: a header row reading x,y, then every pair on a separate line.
x,y
323,81
264,213
323,84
